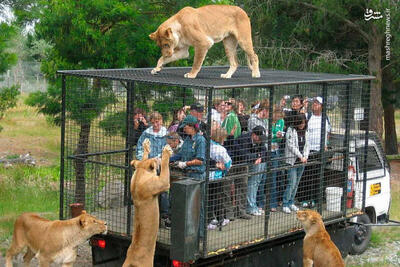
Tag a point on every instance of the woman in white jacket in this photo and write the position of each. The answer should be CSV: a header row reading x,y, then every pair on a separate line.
x,y
296,153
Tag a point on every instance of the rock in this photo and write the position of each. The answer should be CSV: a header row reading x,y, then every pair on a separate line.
x,y
26,159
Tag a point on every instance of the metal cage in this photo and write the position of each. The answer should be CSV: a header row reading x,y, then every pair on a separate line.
x,y
100,136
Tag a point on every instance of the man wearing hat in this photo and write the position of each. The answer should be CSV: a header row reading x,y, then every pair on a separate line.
x,y
197,111
314,125
311,173
249,148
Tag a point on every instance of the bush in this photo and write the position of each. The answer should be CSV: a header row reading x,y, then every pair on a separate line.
x,y
8,99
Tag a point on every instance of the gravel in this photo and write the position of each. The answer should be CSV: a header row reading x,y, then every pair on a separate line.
x,y
84,258
388,253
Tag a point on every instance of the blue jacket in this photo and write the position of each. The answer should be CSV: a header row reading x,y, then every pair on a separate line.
x,y
193,148
157,142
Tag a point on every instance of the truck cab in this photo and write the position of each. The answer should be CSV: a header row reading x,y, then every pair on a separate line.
x,y
373,196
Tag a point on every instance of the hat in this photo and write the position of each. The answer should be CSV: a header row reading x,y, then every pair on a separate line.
x,y
319,99
189,120
198,107
260,132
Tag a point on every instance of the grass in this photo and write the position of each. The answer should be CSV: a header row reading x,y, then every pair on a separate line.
x,y
393,157
22,189
27,188
24,130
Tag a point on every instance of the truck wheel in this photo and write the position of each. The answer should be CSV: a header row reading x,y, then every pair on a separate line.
x,y
361,235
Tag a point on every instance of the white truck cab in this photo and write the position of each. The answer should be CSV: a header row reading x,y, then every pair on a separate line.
x,y
377,188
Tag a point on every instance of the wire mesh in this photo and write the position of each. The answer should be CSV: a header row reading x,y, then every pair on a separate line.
x,y
263,149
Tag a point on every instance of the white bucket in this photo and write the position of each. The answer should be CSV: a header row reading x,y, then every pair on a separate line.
x,y
333,198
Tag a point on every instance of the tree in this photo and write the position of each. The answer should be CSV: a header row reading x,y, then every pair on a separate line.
x,y
7,58
391,81
91,35
8,99
8,95
314,29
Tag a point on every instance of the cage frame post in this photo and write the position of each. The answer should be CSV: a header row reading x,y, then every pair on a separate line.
x,y
322,153
62,150
129,151
209,93
366,112
268,171
346,143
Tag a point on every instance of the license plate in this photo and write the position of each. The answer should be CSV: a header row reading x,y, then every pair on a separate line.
x,y
375,189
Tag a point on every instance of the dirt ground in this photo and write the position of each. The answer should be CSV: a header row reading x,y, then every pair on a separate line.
x,y
395,168
34,146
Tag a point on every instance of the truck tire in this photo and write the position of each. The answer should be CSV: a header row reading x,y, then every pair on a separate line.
x,y
361,235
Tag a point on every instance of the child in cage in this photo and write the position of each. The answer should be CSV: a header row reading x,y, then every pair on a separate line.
x,y
175,142
296,153
216,199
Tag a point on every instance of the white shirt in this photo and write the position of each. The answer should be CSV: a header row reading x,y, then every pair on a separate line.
x,y
219,154
314,132
216,116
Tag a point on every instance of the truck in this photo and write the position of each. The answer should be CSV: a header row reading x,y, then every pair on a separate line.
x,y
347,181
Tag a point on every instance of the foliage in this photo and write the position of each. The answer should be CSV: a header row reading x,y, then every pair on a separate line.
x,y
39,49
8,99
48,103
7,59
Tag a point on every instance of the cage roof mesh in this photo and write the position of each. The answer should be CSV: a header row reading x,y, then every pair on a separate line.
x,y
209,77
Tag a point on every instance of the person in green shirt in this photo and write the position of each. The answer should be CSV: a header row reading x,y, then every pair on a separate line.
x,y
231,123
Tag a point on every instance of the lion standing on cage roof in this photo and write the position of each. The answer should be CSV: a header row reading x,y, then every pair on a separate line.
x,y
201,28
145,188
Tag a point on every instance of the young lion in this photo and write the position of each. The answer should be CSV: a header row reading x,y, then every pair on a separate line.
x,y
318,248
52,241
145,188
201,28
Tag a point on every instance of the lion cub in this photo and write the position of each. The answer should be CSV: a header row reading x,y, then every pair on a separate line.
x,y
318,248
52,241
145,188
201,28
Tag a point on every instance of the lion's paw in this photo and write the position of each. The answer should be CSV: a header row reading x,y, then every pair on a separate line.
x,y
167,150
155,70
255,74
146,145
190,75
226,76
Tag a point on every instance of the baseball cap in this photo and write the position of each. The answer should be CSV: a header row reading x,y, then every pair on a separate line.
x,y
319,99
189,120
197,106
260,132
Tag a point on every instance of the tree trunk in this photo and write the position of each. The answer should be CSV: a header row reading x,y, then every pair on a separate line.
x,y
375,69
82,148
390,123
